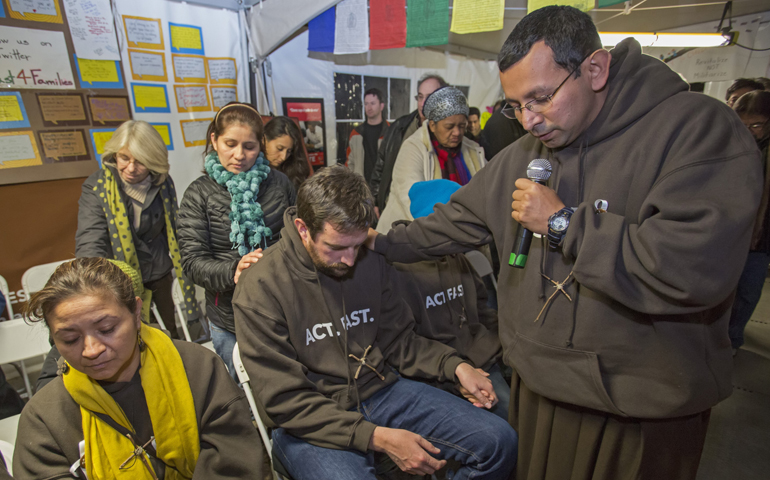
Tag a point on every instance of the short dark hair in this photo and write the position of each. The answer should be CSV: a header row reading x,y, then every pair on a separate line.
x,y
742,83
754,103
764,81
338,196
474,111
568,32
441,82
376,92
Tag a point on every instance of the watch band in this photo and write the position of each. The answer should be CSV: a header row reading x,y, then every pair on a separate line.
x,y
555,237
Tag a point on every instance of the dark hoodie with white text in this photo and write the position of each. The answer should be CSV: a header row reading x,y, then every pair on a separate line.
x,y
297,329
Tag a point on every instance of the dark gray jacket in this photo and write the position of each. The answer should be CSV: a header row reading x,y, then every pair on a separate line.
x,y
208,257
93,238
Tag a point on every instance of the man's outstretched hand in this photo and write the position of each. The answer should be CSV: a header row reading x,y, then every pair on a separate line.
x,y
409,451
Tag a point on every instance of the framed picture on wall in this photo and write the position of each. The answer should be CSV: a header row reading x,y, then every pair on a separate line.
x,y
309,112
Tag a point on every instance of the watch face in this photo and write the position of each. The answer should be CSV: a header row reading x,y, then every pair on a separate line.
x,y
559,224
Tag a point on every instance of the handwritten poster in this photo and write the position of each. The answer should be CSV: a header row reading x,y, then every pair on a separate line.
x,y
186,39
12,111
92,29
164,129
189,68
99,73
31,58
100,136
64,145
194,131
59,110
472,16
192,98
148,66
221,96
46,11
222,70
150,98
109,111
19,150
143,32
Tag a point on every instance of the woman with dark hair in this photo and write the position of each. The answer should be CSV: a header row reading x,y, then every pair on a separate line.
x,y
230,214
128,402
285,150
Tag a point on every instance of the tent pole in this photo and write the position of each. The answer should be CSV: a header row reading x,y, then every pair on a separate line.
x,y
252,84
264,83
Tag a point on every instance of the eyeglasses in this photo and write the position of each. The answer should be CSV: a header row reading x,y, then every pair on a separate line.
x,y
756,126
420,97
539,104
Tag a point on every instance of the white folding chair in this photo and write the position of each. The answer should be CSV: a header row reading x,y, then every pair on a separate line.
x,y
4,291
178,296
481,265
8,429
35,278
243,377
20,341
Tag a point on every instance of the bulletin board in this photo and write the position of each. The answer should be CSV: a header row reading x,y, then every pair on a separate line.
x,y
182,62
54,91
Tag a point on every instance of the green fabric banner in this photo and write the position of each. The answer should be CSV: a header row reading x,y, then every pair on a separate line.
x,y
427,22
607,3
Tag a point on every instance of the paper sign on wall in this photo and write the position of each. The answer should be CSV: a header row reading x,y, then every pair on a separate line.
x,y
62,110
192,98
143,32
471,16
12,111
98,73
164,129
149,98
110,111
222,70
46,11
92,29
194,131
100,136
31,58
186,39
148,66
221,96
189,68
19,150
64,145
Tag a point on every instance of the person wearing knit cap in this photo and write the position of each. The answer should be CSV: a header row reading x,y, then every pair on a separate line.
x,y
436,150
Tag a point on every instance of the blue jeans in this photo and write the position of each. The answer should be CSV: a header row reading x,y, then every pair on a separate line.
x,y
484,444
224,342
747,295
502,390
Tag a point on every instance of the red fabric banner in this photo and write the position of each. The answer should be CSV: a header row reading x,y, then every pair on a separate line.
x,y
387,24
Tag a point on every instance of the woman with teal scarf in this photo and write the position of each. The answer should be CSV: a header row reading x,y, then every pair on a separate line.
x,y
230,215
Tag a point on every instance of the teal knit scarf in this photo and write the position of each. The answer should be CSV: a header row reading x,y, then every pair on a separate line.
x,y
247,220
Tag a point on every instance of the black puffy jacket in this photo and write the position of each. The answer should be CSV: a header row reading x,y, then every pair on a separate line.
x,y
208,256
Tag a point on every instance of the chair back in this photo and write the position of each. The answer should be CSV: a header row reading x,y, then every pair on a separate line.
x,y
4,291
178,296
243,377
481,264
35,278
19,341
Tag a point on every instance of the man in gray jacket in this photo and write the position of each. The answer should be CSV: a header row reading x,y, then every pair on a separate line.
x,y
617,328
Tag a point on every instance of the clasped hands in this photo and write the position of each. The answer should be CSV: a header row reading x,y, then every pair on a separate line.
x,y
411,452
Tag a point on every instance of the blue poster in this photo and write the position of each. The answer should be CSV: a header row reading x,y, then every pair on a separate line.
x,y
186,39
99,73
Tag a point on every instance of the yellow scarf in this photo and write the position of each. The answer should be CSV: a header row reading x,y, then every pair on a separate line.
x,y
172,412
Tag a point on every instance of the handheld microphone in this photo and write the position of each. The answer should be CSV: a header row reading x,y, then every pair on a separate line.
x,y
539,171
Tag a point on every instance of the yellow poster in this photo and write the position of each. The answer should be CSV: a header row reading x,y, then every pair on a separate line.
x,y
46,11
93,71
100,138
10,111
164,133
142,32
582,5
150,97
19,150
471,16
185,38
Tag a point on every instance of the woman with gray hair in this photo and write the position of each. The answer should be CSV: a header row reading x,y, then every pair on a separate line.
x,y
438,149
128,212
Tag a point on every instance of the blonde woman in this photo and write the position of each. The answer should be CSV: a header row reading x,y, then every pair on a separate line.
x,y
127,212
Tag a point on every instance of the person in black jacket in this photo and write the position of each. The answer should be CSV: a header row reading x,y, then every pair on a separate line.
x,y
223,227
128,212
403,128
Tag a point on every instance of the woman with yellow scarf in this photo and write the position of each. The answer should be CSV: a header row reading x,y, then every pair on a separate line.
x,y
130,402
